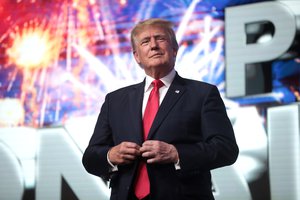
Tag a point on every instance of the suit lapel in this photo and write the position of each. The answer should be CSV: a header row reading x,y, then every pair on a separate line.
x,y
174,93
135,111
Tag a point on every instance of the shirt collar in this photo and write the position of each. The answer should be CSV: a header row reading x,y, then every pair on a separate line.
x,y
167,80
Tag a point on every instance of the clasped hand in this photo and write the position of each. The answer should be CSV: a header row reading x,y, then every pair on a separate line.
x,y
153,151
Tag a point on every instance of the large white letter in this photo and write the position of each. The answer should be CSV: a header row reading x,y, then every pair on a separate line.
x,y
239,53
237,189
59,157
284,151
11,179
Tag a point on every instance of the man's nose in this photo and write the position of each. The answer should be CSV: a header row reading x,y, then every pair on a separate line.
x,y
153,43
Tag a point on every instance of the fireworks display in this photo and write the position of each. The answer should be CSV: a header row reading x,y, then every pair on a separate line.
x,y
58,58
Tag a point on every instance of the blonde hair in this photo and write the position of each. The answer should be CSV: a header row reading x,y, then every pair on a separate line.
x,y
165,24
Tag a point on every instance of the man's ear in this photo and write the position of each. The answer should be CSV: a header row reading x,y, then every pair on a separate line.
x,y
175,52
136,56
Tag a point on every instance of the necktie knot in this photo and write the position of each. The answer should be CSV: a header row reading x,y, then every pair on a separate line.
x,y
157,83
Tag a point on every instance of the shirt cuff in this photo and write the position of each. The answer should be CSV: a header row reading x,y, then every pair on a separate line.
x,y
113,168
177,165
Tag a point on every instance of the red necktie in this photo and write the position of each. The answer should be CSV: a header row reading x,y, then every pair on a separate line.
x,y
142,186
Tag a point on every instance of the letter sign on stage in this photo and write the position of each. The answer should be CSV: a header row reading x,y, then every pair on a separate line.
x,y
239,53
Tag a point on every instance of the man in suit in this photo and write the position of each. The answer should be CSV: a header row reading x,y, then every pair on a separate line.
x,y
189,136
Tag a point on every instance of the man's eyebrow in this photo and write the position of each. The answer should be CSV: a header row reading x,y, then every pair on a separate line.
x,y
160,35
145,38
155,36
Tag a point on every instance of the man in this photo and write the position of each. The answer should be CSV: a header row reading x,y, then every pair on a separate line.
x,y
171,157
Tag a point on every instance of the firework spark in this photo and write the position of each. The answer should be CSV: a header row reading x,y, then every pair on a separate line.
x,y
33,47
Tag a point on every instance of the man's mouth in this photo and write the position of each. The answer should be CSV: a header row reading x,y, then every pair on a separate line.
x,y
156,55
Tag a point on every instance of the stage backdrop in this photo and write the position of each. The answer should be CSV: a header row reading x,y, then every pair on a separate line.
x,y
59,58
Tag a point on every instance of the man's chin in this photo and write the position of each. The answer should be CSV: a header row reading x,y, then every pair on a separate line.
x,y
161,68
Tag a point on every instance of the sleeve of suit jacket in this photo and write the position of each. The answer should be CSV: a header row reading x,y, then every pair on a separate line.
x,y
95,156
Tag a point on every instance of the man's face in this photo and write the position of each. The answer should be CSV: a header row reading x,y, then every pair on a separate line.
x,y
154,51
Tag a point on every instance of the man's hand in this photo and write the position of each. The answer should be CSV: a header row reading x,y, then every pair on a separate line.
x,y
124,153
159,152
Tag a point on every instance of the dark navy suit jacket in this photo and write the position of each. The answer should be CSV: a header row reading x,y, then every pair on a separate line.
x,y
192,117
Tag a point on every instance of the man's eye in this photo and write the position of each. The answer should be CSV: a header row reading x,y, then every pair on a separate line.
x,y
161,38
144,42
